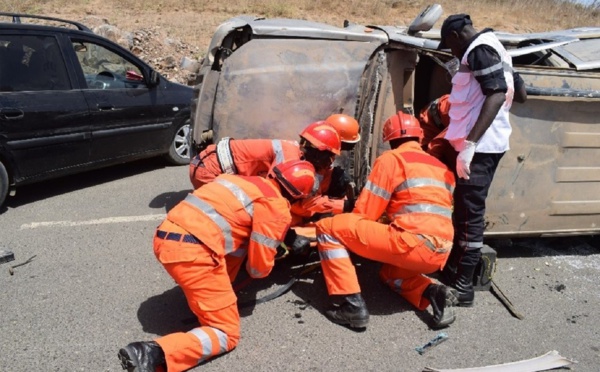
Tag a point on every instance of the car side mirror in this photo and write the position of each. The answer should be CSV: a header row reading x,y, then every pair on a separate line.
x,y
426,19
154,79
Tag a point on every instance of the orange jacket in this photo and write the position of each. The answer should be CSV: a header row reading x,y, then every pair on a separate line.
x,y
434,118
235,215
248,157
319,203
413,188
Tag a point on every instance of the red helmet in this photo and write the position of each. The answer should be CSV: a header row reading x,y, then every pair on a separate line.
x,y
297,177
346,126
323,136
402,125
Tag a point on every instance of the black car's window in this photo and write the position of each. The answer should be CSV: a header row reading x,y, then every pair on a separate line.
x,y
30,63
105,69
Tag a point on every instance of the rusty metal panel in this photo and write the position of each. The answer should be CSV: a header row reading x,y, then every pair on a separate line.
x,y
548,182
272,88
205,102
578,174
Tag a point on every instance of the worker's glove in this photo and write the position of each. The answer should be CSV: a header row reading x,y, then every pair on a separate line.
x,y
349,205
301,246
296,244
339,183
463,160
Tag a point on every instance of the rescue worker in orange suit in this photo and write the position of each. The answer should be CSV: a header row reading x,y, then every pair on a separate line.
x,y
434,120
232,216
482,93
414,190
247,157
319,144
332,197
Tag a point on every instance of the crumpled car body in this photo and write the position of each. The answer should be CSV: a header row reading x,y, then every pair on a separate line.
x,y
268,78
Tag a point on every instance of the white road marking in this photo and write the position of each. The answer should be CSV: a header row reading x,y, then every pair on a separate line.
x,y
100,221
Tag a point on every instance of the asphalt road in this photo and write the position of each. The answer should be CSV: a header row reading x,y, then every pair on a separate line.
x,y
94,286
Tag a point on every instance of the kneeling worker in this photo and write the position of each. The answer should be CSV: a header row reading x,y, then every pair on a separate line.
x,y
232,216
415,191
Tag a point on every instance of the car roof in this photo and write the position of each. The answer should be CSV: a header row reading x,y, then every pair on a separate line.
x,y
571,44
19,20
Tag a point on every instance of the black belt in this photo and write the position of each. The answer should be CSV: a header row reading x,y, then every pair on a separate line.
x,y
177,237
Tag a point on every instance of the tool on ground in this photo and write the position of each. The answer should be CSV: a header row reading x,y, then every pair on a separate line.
x,y
441,337
505,301
11,269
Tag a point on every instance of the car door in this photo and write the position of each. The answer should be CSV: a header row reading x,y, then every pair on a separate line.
x,y
43,117
127,118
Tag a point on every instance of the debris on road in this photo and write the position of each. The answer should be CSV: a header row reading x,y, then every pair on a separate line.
x,y
505,301
11,269
550,360
6,256
441,337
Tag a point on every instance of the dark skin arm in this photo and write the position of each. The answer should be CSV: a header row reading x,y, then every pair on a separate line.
x,y
520,94
492,104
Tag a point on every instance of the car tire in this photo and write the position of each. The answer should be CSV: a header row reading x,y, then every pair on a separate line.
x,y
179,149
3,184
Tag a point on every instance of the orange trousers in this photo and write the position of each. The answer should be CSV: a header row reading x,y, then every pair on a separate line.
x,y
404,255
204,278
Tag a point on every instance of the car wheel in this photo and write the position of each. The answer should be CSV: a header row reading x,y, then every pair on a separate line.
x,y
3,184
179,151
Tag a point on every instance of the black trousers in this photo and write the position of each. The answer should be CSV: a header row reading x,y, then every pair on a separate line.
x,y
469,201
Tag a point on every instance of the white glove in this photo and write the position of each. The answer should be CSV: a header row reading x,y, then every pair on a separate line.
x,y
463,160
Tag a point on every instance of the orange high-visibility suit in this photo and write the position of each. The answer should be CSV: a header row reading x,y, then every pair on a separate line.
x,y
414,189
248,157
216,225
320,203
434,120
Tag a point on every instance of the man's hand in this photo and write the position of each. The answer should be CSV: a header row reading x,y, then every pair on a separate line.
x,y
301,246
463,160
349,205
296,244
339,183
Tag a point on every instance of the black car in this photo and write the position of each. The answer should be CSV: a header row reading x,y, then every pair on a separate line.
x,y
72,101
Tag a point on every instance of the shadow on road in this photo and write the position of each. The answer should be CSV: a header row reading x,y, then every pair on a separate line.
x,y
168,312
168,200
38,191
544,247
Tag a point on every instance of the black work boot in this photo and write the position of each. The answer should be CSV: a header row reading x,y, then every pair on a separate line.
x,y
351,312
441,299
463,286
142,357
450,270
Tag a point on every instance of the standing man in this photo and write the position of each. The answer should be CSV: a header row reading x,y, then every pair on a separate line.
x,y
479,129
414,190
230,217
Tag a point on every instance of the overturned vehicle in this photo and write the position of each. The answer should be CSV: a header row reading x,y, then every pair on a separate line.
x,y
268,78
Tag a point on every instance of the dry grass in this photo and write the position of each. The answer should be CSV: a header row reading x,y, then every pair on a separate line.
x,y
193,21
